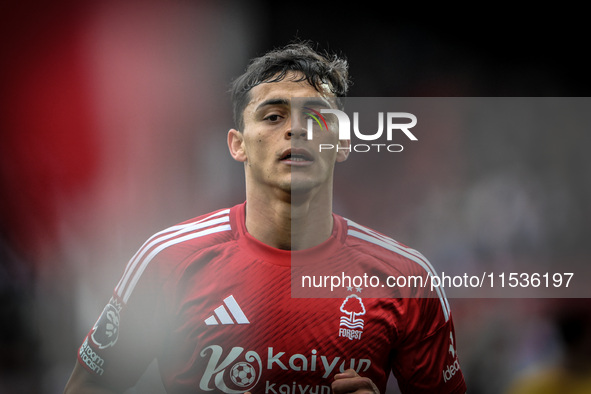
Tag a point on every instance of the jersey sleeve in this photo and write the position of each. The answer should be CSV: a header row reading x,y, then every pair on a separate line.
x,y
426,360
130,330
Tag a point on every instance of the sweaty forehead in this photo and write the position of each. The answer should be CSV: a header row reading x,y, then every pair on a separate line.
x,y
284,91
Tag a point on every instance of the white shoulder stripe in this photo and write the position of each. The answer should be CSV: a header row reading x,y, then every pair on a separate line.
x,y
162,236
148,259
391,245
392,242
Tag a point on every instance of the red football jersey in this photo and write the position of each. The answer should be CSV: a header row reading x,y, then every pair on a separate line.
x,y
215,307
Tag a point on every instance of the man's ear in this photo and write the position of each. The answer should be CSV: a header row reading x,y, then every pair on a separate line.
x,y
344,150
236,145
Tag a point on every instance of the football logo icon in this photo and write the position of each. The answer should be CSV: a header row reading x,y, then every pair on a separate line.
x,y
242,374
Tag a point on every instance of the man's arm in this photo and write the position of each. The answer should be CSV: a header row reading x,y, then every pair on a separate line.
x,y
82,382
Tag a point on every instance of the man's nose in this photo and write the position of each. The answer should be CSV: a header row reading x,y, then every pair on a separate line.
x,y
296,129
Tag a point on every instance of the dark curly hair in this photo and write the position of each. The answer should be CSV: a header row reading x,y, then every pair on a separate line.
x,y
316,68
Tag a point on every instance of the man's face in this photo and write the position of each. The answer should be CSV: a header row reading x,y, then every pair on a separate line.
x,y
274,144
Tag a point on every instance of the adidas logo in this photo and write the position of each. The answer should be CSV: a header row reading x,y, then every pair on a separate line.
x,y
224,317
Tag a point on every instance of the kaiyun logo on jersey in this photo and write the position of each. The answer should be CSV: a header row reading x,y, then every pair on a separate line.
x,y
240,370
392,125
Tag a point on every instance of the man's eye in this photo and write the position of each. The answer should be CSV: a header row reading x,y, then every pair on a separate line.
x,y
273,118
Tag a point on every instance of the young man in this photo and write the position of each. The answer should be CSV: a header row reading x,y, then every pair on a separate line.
x,y
211,298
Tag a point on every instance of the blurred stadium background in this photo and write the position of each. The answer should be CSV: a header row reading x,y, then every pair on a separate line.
x,y
113,123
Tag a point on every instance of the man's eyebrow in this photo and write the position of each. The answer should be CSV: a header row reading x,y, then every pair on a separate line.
x,y
273,101
311,102
316,102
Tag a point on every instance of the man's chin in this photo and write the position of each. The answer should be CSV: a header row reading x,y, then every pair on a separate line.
x,y
301,188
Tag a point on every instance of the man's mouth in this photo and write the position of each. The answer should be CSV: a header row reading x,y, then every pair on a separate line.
x,y
296,156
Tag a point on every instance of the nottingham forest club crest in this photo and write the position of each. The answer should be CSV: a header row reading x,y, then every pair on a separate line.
x,y
351,325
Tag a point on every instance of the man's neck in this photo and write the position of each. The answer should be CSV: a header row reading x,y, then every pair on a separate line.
x,y
289,223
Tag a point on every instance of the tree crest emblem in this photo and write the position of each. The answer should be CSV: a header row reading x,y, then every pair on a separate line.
x,y
353,307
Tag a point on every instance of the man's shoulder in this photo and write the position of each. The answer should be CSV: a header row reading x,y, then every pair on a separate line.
x,y
384,247
210,228
396,258
176,242
363,236
167,253
206,217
